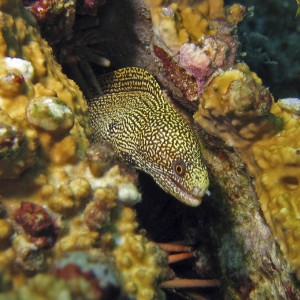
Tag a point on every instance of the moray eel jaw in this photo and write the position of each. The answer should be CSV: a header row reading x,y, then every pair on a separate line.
x,y
191,197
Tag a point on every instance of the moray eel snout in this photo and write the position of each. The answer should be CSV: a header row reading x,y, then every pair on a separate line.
x,y
190,194
148,133
179,172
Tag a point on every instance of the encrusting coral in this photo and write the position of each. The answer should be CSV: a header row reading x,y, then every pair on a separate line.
x,y
55,198
235,107
238,109
277,184
66,222
142,262
204,41
181,22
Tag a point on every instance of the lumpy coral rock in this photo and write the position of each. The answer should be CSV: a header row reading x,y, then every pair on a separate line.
x,y
90,275
28,80
18,149
42,286
181,22
238,109
54,197
142,262
37,223
193,40
277,163
238,98
50,114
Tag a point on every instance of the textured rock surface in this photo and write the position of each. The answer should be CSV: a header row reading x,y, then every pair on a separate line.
x,y
55,199
74,198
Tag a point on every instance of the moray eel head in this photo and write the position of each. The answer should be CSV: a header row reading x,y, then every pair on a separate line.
x,y
184,181
148,133
178,167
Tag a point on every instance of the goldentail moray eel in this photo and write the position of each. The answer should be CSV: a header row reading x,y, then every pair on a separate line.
x,y
148,133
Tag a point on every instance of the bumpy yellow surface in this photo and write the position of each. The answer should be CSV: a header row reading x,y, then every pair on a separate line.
x,y
20,30
234,105
43,161
140,260
278,184
237,108
180,22
47,154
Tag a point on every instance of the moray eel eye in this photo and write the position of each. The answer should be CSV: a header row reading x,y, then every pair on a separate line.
x,y
179,168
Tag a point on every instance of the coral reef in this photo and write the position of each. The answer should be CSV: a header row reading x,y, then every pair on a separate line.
x,y
141,261
68,228
37,223
204,41
89,275
235,107
56,197
180,22
263,133
277,184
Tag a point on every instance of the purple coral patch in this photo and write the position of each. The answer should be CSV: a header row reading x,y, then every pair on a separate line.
x,y
99,272
39,8
185,82
36,221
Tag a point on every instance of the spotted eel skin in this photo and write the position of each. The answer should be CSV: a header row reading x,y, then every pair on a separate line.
x,y
148,133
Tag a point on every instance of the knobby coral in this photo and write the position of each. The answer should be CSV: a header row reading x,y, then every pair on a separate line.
x,y
54,197
234,106
59,196
193,40
237,108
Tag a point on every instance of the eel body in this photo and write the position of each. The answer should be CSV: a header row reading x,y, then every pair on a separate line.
x,y
148,133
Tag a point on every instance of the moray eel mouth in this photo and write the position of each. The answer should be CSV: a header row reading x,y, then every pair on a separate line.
x,y
186,196
191,198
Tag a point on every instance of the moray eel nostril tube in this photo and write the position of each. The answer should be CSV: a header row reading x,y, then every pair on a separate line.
x,y
148,133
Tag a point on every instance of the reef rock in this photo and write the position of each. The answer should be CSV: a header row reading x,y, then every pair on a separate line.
x,y
54,197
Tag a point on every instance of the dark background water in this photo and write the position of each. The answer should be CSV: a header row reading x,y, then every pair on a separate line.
x,y
270,44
